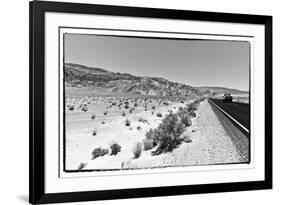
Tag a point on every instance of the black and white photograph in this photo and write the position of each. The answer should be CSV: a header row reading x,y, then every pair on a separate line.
x,y
131,102
143,102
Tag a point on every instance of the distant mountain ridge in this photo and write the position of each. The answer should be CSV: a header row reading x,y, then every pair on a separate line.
x,y
213,91
94,78
98,78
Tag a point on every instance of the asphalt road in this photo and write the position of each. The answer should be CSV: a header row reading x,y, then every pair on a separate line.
x,y
239,111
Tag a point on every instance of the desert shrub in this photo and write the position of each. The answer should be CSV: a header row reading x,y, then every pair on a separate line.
x,y
126,106
152,113
185,119
150,134
93,116
153,107
85,108
131,110
159,114
115,148
127,123
166,136
137,150
99,152
103,122
192,107
94,132
150,140
114,103
81,166
181,109
136,104
192,114
71,107
123,114
139,128
148,144
105,113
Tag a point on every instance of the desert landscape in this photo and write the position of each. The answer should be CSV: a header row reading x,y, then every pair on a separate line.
x,y
116,121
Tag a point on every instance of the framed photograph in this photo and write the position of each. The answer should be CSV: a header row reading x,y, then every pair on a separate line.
x,y
141,102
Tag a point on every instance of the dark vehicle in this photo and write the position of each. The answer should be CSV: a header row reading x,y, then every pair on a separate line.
x,y
227,97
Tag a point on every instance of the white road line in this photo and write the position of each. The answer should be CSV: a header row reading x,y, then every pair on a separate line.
x,y
230,117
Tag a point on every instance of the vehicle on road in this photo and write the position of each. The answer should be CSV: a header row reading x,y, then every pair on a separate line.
x,y
227,97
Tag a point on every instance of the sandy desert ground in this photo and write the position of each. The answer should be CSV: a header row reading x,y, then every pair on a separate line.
x,y
99,122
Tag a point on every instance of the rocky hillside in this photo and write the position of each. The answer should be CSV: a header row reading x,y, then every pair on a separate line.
x,y
97,78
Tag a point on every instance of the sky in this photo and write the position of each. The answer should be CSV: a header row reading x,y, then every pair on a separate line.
x,y
192,62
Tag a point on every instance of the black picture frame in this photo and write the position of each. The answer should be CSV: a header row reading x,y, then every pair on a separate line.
x,y
37,9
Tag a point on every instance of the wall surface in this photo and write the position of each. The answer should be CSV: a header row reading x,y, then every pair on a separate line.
x,y
14,79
